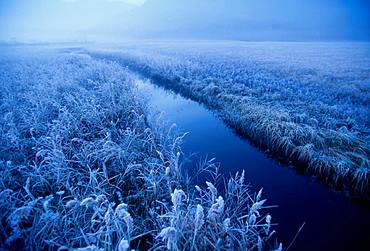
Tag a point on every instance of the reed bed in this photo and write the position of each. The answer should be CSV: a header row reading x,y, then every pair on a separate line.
x,y
305,103
83,167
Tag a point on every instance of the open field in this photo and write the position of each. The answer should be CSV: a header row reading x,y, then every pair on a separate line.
x,y
307,103
82,166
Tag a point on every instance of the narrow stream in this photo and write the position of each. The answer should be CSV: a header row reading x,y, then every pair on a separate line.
x,y
333,222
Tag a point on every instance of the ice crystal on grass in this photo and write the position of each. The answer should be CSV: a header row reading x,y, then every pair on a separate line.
x,y
123,245
199,217
177,198
223,228
88,202
122,213
72,203
216,209
168,235
212,189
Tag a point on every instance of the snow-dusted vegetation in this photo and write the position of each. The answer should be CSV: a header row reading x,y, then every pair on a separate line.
x,y
83,167
304,102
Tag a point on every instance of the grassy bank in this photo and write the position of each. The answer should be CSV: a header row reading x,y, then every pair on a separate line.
x,y
306,103
82,167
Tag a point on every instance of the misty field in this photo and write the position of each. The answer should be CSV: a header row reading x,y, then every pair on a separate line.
x,y
306,103
83,166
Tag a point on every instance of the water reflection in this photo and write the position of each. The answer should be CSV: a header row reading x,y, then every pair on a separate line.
x,y
333,222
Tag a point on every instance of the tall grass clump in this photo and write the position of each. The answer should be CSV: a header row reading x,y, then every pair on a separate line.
x,y
83,168
303,107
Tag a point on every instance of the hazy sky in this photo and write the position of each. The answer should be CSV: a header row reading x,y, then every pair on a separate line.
x,y
42,20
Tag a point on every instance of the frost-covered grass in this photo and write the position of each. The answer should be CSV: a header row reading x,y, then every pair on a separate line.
x,y
305,102
83,167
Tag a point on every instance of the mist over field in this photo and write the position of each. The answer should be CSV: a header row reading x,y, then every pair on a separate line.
x,y
184,125
117,20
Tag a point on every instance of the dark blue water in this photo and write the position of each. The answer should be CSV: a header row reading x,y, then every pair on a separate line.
x,y
333,221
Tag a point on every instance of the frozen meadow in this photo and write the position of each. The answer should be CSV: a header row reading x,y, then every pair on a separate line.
x,y
86,164
304,103
82,166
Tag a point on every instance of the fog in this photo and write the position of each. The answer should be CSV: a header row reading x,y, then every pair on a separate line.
x,y
116,20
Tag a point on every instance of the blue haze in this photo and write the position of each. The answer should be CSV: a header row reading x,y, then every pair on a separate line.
x,y
101,20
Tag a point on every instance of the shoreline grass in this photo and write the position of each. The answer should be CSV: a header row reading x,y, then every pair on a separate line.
x,y
312,116
82,167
